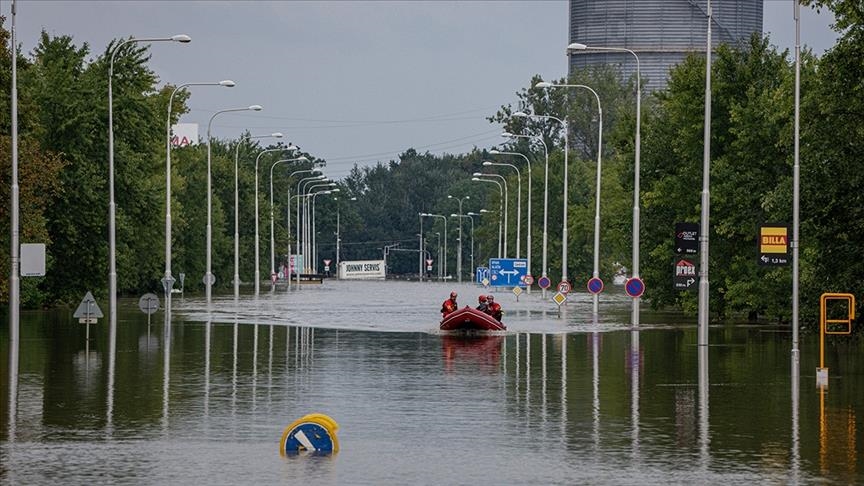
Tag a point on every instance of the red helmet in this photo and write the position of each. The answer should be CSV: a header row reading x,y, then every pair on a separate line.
x,y
452,295
490,297
482,298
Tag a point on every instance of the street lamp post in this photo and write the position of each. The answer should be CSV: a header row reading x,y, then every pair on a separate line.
x,y
289,148
564,239
237,207
460,216
518,203
530,183
168,279
314,250
301,238
486,211
545,270
209,279
635,270
313,170
505,196
420,268
444,259
272,237
440,260
596,296
310,218
459,252
338,235
112,239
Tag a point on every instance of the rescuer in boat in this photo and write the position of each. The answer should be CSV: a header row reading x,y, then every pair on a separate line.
x,y
483,307
449,305
494,308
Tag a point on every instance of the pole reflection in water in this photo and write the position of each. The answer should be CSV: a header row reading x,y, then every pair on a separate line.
x,y
13,383
704,437
516,392
543,374
112,355
166,369
635,368
270,368
563,387
255,368
595,381
796,443
234,369
527,371
207,369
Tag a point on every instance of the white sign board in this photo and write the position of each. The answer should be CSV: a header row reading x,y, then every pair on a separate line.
x,y
183,134
32,259
362,270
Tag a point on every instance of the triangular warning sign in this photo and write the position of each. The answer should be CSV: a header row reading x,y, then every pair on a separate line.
x,y
88,308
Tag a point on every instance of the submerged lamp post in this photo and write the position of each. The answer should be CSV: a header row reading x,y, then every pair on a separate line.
x,y
635,270
112,239
168,279
444,258
459,252
237,208
209,279
596,296
289,148
272,238
530,183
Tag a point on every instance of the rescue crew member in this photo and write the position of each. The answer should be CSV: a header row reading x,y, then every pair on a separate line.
x,y
449,305
483,307
493,308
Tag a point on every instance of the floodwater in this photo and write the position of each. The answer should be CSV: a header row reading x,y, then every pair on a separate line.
x,y
557,399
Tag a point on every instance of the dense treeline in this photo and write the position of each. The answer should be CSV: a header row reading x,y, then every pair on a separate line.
x,y
63,161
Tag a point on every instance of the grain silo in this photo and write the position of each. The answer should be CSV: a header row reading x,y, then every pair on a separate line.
x,y
660,32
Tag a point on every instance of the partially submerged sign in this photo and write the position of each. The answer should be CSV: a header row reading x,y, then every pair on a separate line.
x,y
362,270
88,310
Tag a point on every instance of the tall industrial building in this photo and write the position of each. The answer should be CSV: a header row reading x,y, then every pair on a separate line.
x,y
661,32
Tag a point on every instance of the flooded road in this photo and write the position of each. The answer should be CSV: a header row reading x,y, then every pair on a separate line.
x,y
554,400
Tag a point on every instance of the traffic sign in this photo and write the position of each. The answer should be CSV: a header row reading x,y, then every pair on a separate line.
x,y
564,287
517,291
685,273
148,303
687,238
88,310
481,274
528,280
507,272
559,298
634,287
544,283
595,285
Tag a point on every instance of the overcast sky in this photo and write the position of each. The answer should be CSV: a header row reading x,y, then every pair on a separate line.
x,y
352,81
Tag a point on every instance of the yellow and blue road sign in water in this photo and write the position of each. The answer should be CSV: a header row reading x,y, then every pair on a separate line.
x,y
315,432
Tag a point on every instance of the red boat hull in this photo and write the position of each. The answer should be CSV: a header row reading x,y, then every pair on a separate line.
x,y
470,319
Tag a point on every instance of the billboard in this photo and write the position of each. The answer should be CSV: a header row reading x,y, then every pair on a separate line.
x,y
362,270
183,134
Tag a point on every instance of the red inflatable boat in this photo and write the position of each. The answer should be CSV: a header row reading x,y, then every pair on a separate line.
x,y
470,319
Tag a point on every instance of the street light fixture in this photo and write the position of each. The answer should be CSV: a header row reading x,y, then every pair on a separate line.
x,y
289,148
564,239
444,258
313,170
501,214
209,279
272,238
486,211
636,169
505,196
530,183
460,216
459,252
539,138
518,203
302,238
543,84
237,207
112,238
168,279
310,222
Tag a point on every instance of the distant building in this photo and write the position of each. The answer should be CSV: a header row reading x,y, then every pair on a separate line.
x,y
661,32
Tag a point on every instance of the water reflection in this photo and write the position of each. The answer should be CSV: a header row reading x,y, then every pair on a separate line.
x,y
565,392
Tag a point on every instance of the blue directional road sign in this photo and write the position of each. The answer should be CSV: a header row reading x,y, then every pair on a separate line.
x,y
481,273
507,272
